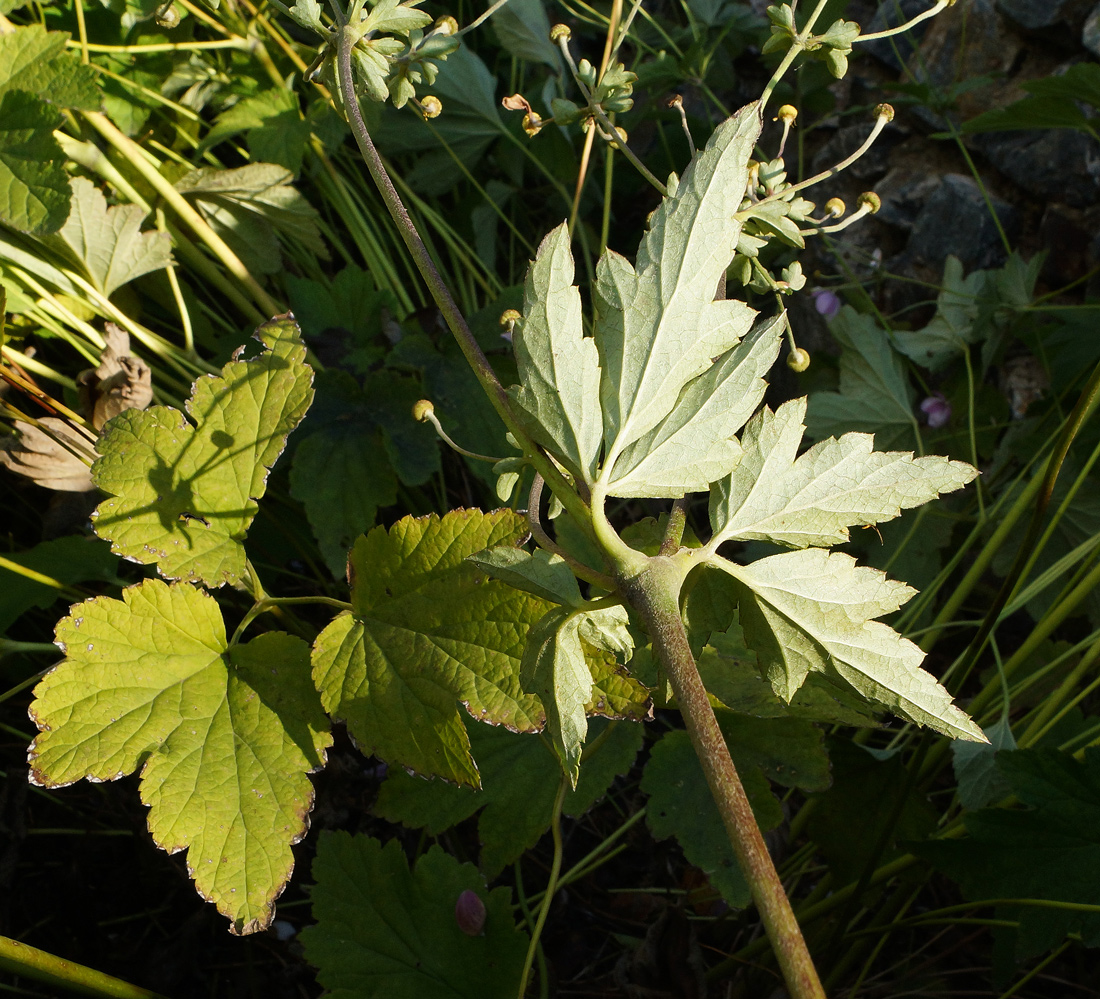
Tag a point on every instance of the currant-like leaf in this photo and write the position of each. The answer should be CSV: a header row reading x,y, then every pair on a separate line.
x,y
775,496
428,632
183,496
658,326
223,736
539,572
813,611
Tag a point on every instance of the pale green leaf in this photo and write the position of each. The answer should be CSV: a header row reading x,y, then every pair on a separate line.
x,y
875,396
385,932
555,668
812,611
520,777
394,16
695,444
427,633
775,496
35,60
34,187
108,242
537,572
223,737
558,397
658,326
183,496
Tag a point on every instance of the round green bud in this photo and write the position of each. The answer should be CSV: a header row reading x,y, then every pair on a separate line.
x,y
509,316
871,200
446,25
422,410
432,107
798,360
835,207
787,114
884,111
559,32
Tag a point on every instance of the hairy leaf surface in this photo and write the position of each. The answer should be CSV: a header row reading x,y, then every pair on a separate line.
x,y
775,496
223,736
183,495
383,931
658,326
426,633
813,611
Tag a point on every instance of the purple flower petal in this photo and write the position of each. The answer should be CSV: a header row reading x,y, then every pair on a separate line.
x,y
470,913
826,302
936,409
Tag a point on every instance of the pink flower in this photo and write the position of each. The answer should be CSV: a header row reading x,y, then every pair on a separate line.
x,y
470,913
826,302
936,409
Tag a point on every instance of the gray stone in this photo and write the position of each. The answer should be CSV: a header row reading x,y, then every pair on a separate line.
x,y
956,220
890,14
1036,14
1090,33
1055,164
904,193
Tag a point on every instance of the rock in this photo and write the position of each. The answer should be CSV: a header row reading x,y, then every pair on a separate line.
x,y
956,220
1065,234
890,14
1055,164
847,140
904,193
1035,14
1090,33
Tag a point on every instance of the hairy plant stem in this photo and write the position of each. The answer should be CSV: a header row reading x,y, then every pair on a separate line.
x,y
654,594
440,293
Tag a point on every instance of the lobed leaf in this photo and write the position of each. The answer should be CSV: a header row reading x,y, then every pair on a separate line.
x,y
183,496
34,60
223,736
34,187
108,242
658,326
558,398
775,496
812,611
384,931
426,632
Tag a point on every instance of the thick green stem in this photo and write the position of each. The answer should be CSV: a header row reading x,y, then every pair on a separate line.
x,y
654,595
29,962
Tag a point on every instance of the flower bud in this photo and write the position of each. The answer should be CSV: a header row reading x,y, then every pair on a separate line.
x,y
446,25
787,114
509,316
835,207
871,200
621,133
676,102
936,409
422,410
168,17
826,302
798,360
560,31
432,107
884,111
532,123
470,913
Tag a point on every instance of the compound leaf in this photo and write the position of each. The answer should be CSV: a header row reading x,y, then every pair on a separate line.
x,y
657,325
426,632
109,242
559,368
223,736
384,931
695,445
183,495
520,778
814,499
812,611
